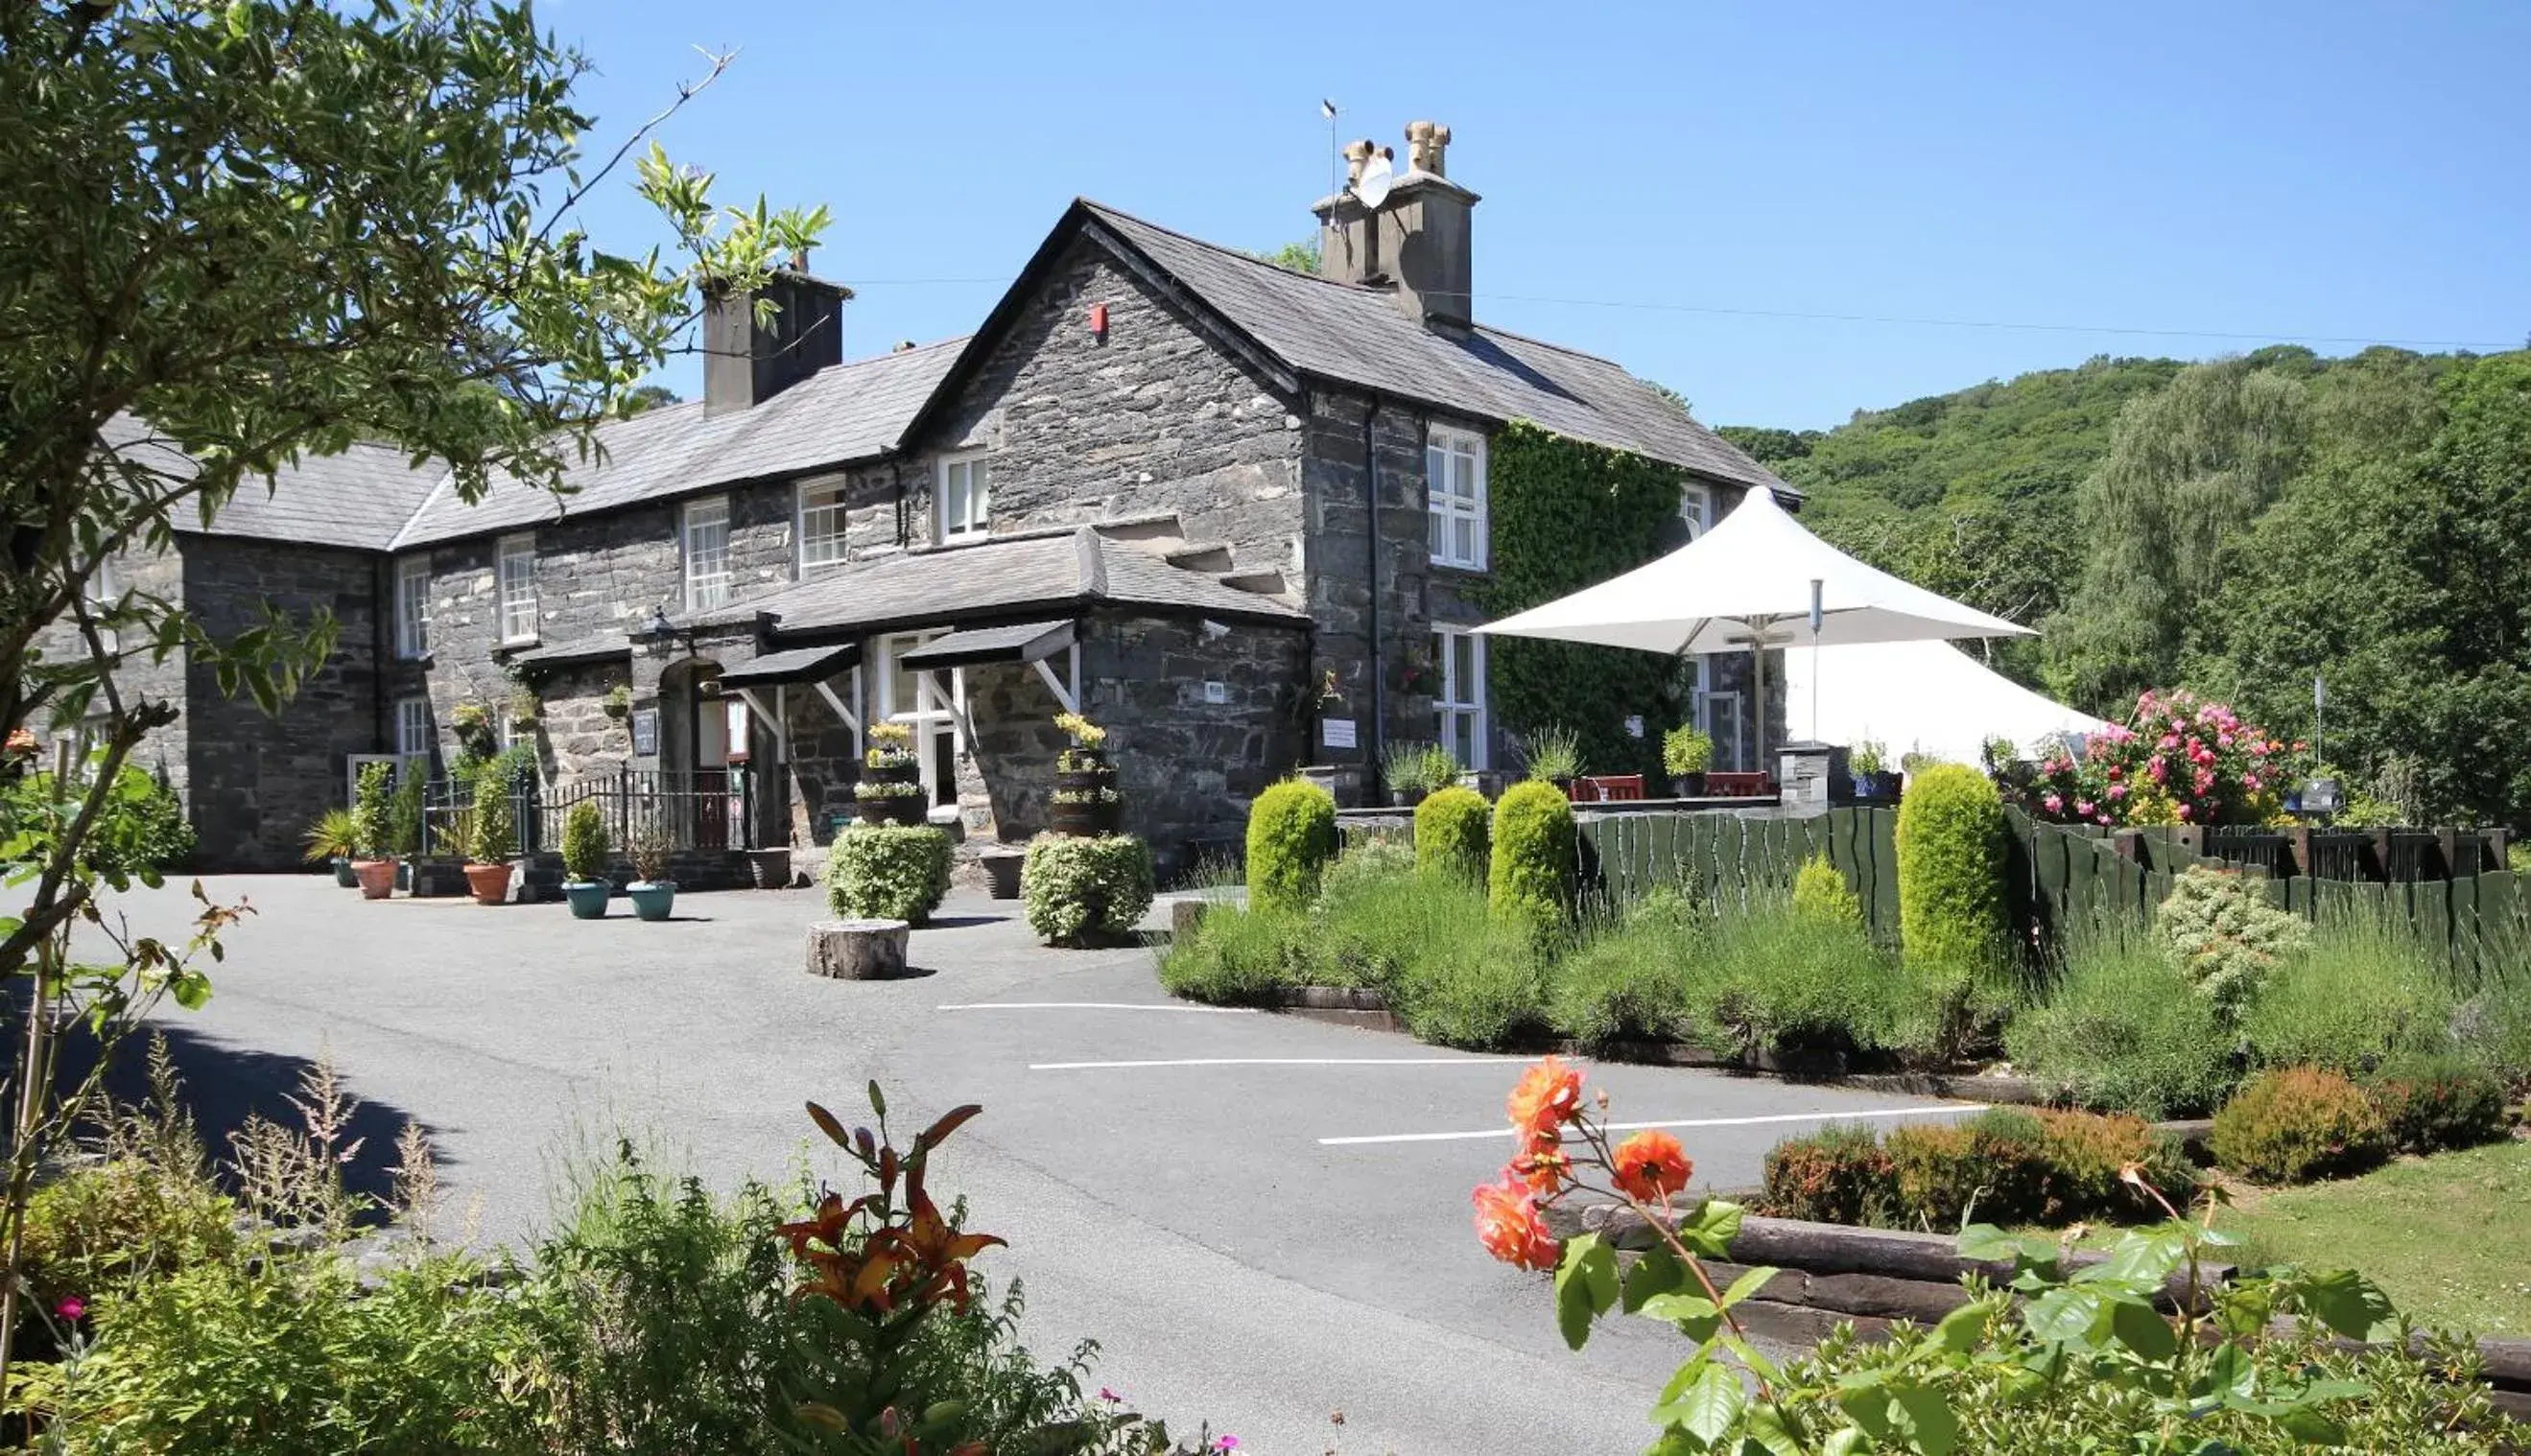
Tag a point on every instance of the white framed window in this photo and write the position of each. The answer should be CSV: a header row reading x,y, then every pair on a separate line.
x,y
966,495
412,607
515,575
1721,720
412,729
1460,705
821,526
706,530
1696,508
102,595
1455,475
903,700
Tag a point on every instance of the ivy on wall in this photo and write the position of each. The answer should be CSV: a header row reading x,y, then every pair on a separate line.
x,y
1565,515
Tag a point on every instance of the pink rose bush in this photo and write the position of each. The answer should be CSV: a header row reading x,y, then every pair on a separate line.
x,y
2178,760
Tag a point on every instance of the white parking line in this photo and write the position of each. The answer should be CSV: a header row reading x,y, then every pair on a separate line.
x,y
1097,1006
1684,1122
1284,1061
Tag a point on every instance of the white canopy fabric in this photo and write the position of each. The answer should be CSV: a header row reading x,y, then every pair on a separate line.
x,y
1925,697
1751,576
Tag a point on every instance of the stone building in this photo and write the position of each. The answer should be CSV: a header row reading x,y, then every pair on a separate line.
x,y
1177,487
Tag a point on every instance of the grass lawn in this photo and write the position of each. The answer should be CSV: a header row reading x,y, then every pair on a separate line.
x,y
2448,1236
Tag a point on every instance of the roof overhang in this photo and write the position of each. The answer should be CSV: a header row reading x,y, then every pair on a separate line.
x,y
567,654
1018,641
793,665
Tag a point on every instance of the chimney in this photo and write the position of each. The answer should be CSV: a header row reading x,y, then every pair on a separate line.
x,y
1416,242
746,363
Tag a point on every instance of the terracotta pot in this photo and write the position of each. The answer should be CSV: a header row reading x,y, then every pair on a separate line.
x,y
375,877
490,883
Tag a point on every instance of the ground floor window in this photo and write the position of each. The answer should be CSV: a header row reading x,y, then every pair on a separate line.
x,y
1460,705
917,700
413,731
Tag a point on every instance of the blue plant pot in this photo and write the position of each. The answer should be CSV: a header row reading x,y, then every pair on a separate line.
x,y
587,898
651,901
343,874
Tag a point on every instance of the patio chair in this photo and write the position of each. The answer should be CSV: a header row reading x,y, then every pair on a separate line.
x,y
1758,785
1608,788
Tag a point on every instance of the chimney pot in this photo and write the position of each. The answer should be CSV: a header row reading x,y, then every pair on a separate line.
x,y
1425,143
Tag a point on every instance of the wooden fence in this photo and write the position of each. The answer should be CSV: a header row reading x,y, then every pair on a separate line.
x,y
1725,856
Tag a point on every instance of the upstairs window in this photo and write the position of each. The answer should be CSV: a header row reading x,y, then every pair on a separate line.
x,y
966,496
822,526
412,607
1454,474
516,577
707,538
1696,508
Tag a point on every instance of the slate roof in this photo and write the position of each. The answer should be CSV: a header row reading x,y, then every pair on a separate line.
x,y
796,664
838,415
358,499
964,583
1352,335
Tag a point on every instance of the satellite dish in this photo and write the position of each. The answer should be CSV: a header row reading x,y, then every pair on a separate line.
x,y
1378,175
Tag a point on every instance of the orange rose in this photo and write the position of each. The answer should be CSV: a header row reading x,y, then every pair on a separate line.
x,y
1543,1167
1650,1166
1509,1226
1546,1097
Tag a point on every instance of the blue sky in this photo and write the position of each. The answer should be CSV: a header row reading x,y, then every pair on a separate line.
x,y
2351,171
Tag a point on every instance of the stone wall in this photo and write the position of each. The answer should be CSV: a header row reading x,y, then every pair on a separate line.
x,y
1153,417
136,676
255,782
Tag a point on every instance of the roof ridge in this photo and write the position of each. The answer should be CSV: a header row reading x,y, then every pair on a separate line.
x,y
1225,250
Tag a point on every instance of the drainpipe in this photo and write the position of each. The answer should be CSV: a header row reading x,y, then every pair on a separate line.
x,y
1378,676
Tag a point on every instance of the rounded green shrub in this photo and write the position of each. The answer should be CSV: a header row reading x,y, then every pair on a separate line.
x,y
1531,878
1291,837
1451,831
583,842
1839,1174
888,872
1820,891
2088,1156
2297,1124
1950,869
1078,891
2429,1103
493,840
2219,929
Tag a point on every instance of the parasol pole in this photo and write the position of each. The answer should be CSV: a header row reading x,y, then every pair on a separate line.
x,y
1818,587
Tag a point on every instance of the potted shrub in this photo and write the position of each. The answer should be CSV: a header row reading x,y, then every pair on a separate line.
x,y
618,702
890,788
1407,769
1868,762
652,892
1687,751
487,862
584,860
373,865
403,827
1554,753
333,840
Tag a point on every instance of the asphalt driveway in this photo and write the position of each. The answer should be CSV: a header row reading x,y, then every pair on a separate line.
x,y
1263,1221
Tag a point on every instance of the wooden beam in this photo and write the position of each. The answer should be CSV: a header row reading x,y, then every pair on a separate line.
x,y
1070,700
851,719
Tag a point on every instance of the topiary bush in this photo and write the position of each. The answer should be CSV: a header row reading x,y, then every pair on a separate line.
x,y
373,810
1079,891
1451,831
2429,1103
1820,892
1531,878
2297,1124
2122,1030
888,872
1950,869
2219,929
1839,1174
1291,837
583,842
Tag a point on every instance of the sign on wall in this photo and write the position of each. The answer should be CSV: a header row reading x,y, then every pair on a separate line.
x,y
646,732
1336,733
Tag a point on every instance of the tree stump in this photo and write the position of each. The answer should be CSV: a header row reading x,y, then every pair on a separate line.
x,y
857,950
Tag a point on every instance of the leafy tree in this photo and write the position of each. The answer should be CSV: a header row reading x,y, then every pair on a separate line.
x,y
1300,258
649,397
243,233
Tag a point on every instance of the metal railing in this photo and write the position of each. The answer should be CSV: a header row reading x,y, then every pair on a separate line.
x,y
702,810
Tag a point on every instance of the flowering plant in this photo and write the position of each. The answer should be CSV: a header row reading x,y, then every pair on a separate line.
x,y
2180,761
1085,734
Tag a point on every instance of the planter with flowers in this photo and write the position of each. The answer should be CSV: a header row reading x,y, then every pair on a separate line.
x,y
525,710
618,702
1085,801
2178,760
890,789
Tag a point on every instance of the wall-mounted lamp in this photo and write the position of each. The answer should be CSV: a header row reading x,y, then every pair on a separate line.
x,y
659,625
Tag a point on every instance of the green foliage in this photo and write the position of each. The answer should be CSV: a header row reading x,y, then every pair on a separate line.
x,y
2016,1166
1405,767
1300,258
1240,957
1564,514
2431,1102
2363,992
2120,1029
895,873
1532,876
1552,753
1291,837
404,815
144,1208
1771,977
583,842
1454,831
1839,1174
1628,980
1686,748
493,840
1820,891
2219,929
333,836
1079,891
138,831
373,810
1950,869
2295,1123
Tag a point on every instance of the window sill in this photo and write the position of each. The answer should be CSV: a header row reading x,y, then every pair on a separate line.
x,y
513,643
1461,567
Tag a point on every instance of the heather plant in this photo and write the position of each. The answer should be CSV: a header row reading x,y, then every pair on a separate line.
x,y
2431,1102
2222,933
2295,1123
